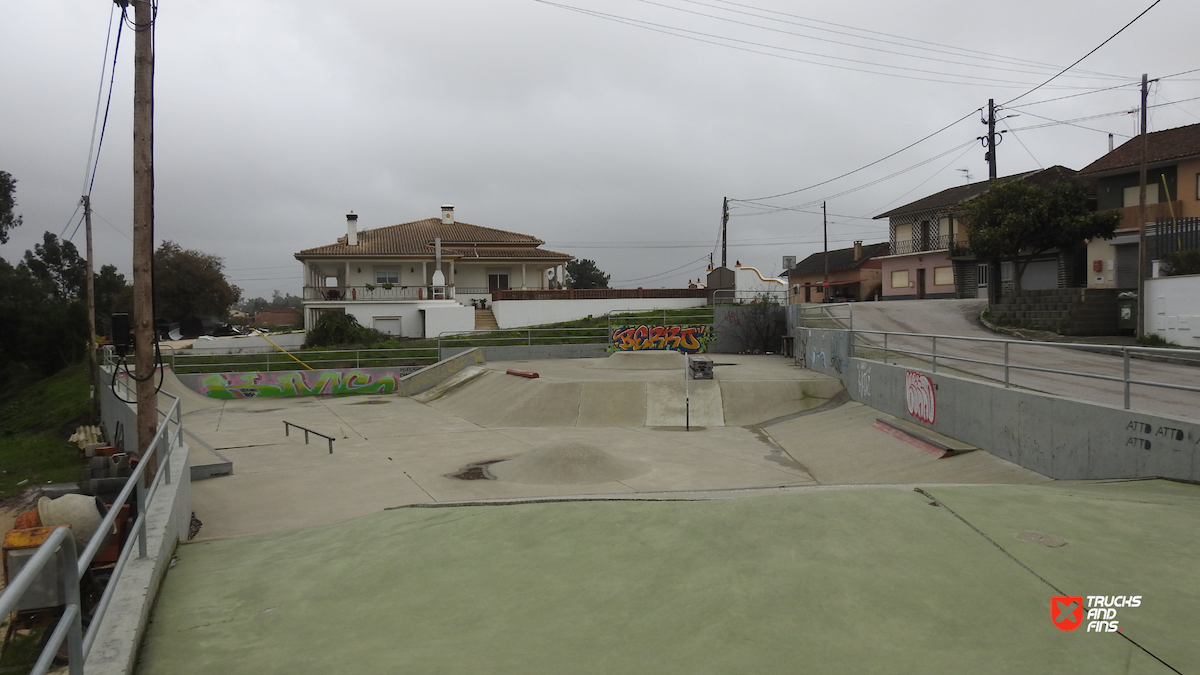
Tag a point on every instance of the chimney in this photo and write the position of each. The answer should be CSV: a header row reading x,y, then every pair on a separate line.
x,y
351,229
447,214
858,254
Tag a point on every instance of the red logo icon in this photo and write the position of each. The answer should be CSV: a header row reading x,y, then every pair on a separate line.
x,y
1066,611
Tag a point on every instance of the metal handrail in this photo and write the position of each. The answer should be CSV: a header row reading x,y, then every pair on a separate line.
x,y
307,431
72,568
1125,351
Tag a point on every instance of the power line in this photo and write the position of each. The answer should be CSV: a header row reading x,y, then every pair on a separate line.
x,y
662,274
836,42
99,95
1014,133
107,105
1006,59
1080,59
970,81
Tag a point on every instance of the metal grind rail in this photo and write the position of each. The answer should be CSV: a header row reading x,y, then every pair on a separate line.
x,y
286,428
889,347
71,568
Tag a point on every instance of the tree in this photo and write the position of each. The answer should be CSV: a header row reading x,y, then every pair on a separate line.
x,y
757,327
58,264
109,283
335,329
585,274
41,329
1017,220
8,202
1182,262
190,283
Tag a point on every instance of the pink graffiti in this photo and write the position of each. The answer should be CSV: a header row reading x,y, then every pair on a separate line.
x,y
920,397
642,338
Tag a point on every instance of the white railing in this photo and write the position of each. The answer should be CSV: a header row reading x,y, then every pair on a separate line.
x,y
72,568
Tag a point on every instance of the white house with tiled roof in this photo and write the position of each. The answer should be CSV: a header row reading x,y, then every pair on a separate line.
x,y
420,279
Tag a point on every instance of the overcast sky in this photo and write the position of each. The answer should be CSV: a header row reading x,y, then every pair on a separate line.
x,y
613,133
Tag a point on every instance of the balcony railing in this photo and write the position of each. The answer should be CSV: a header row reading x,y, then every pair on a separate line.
x,y
938,243
599,294
377,293
1131,215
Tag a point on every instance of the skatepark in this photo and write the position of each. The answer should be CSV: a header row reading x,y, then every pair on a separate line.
x,y
609,516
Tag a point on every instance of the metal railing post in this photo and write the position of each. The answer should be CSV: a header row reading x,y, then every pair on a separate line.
x,y
1006,345
165,450
885,348
1125,353
850,348
933,353
141,511
357,358
268,362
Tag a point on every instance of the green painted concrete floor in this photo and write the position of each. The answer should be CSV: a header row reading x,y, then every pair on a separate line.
x,y
856,580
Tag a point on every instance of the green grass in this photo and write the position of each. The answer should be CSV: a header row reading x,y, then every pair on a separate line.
x,y
35,422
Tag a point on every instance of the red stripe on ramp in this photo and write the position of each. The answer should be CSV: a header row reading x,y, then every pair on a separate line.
x,y
915,442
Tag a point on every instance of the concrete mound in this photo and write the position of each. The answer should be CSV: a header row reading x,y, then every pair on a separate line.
x,y
567,463
648,360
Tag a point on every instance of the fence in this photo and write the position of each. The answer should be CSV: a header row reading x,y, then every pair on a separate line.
x,y
831,315
317,360
890,347
599,294
730,296
71,568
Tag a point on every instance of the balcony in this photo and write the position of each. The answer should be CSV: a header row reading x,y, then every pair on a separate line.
x,y
377,293
1130,214
938,243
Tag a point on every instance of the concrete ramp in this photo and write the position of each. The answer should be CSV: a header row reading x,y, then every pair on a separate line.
x,y
648,360
493,399
190,400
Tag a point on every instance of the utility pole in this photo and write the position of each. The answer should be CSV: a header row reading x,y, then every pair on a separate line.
x,y
991,141
825,230
143,227
93,366
724,225
1141,275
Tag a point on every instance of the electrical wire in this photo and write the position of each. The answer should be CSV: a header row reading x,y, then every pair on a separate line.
x,y
660,274
927,43
970,81
1080,59
838,42
87,169
1035,159
107,105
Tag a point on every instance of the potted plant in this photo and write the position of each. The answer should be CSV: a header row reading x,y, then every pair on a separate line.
x,y
387,287
369,287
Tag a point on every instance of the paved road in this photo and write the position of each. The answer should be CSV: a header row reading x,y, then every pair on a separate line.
x,y
960,318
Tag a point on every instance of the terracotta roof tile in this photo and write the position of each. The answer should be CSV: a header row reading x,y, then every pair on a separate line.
x,y
1161,146
962,193
416,239
840,259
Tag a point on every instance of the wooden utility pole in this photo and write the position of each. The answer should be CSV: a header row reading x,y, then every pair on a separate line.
x,y
143,226
825,231
93,366
991,139
1141,273
724,225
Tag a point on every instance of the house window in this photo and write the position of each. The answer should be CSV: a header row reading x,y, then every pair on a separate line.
x,y
900,279
1133,195
387,276
943,276
1198,187
497,281
904,239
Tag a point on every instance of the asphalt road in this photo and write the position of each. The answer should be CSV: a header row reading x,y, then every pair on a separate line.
x,y
961,318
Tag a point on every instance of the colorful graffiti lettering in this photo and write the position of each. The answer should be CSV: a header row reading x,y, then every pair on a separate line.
x,y
920,397
297,383
690,339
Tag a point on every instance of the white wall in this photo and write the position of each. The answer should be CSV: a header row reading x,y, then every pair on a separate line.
x,y
1173,308
451,318
750,279
448,312
522,313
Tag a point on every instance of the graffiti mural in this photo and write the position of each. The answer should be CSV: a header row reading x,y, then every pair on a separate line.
x,y
690,339
920,396
297,383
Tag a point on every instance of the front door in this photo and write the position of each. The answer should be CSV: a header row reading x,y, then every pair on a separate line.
x,y
497,282
983,273
921,284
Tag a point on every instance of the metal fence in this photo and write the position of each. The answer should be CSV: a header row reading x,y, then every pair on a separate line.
x,y
317,360
890,346
72,566
829,315
730,296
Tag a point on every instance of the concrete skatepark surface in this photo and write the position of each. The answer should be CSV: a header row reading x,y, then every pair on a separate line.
x,y
820,581
791,542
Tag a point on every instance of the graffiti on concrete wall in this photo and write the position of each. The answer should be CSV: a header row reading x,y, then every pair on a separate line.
x,y
920,396
688,339
864,380
1144,435
297,383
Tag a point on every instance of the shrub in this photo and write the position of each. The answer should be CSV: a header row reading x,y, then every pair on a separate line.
x,y
333,329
